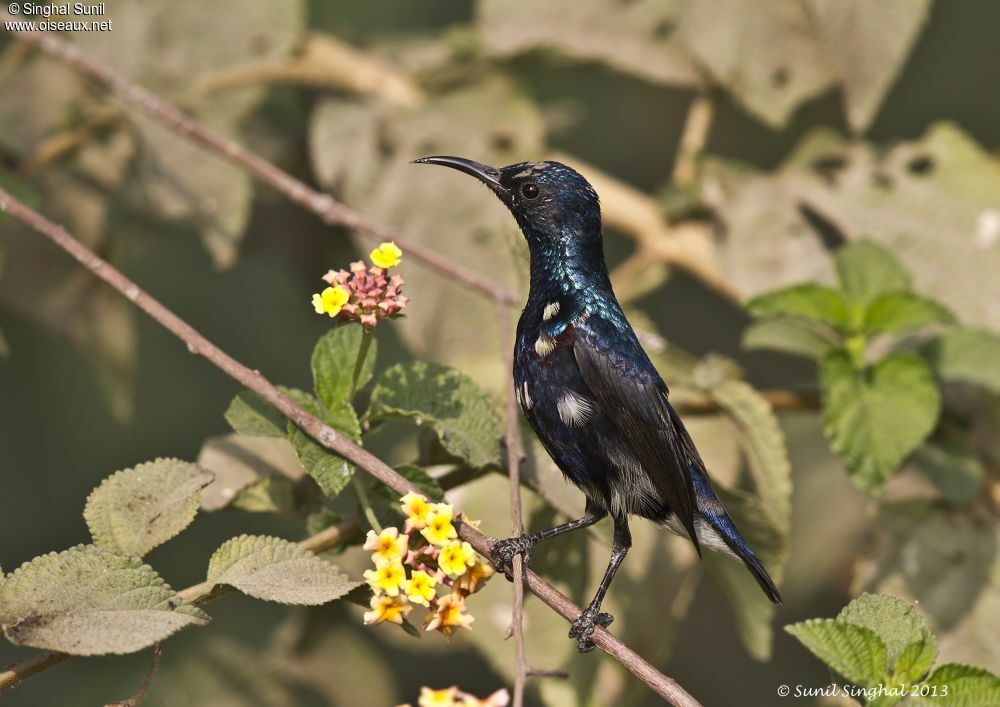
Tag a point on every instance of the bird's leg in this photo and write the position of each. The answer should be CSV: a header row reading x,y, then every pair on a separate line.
x,y
592,616
503,551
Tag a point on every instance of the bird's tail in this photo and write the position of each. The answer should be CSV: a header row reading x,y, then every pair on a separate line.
x,y
715,515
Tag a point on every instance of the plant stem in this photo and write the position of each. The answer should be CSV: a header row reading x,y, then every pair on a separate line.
x,y
361,494
366,342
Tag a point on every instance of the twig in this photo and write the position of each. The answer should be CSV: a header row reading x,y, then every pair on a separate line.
x,y
515,455
693,138
322,205
535,673
324,435
143,690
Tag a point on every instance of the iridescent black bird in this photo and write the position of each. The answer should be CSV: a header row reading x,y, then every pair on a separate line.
x,y
589,390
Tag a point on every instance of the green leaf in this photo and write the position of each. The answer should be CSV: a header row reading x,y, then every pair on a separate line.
x,y
814,302
867,270
875,418
449,402
915,660
961,686
786,335
250,414
853,651
331,471
89,600
894,312
268,494
334,360
967,356
137,509
273,569
895,621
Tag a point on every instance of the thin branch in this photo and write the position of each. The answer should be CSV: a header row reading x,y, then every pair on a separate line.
x,y
143,690
324,435
322,205
696,130
515,455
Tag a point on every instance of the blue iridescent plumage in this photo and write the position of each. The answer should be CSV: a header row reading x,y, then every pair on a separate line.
x,y
589,390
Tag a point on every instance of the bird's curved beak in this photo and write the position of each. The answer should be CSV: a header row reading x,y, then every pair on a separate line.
x,y
490,176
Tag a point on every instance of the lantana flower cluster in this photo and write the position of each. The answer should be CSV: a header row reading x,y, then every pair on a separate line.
x,y
425,564
453,697
366,294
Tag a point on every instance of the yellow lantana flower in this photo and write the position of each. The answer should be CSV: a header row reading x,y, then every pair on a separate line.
x,y
387,577
447,697
439,529
420,587
386,546
456,557
473,580
449,615
386,608
416,509
387,255
330,301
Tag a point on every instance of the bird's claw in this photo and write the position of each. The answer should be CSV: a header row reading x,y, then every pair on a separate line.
x,y
583,627
503,552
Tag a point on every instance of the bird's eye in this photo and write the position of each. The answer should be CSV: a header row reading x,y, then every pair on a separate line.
x,y
529,191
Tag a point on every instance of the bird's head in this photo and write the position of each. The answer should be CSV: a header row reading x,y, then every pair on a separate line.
x,y
551,202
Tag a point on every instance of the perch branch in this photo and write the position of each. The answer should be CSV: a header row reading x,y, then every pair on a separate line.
x,y
324,434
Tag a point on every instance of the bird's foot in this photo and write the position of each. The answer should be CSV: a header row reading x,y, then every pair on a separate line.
x,y
583,627
503,551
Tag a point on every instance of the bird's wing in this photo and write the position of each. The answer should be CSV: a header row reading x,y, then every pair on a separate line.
x,y
637,404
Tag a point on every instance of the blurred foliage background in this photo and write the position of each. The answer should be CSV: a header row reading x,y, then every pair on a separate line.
x,y
735,146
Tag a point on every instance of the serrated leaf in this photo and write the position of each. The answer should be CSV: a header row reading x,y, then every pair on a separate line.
x,y
89,600
134,510
331,472
853,651
895,621
250,414
967,356
788,336
447,401
336,372
868,43
895,312
273,569
867,270
810,301
961,686
877,417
